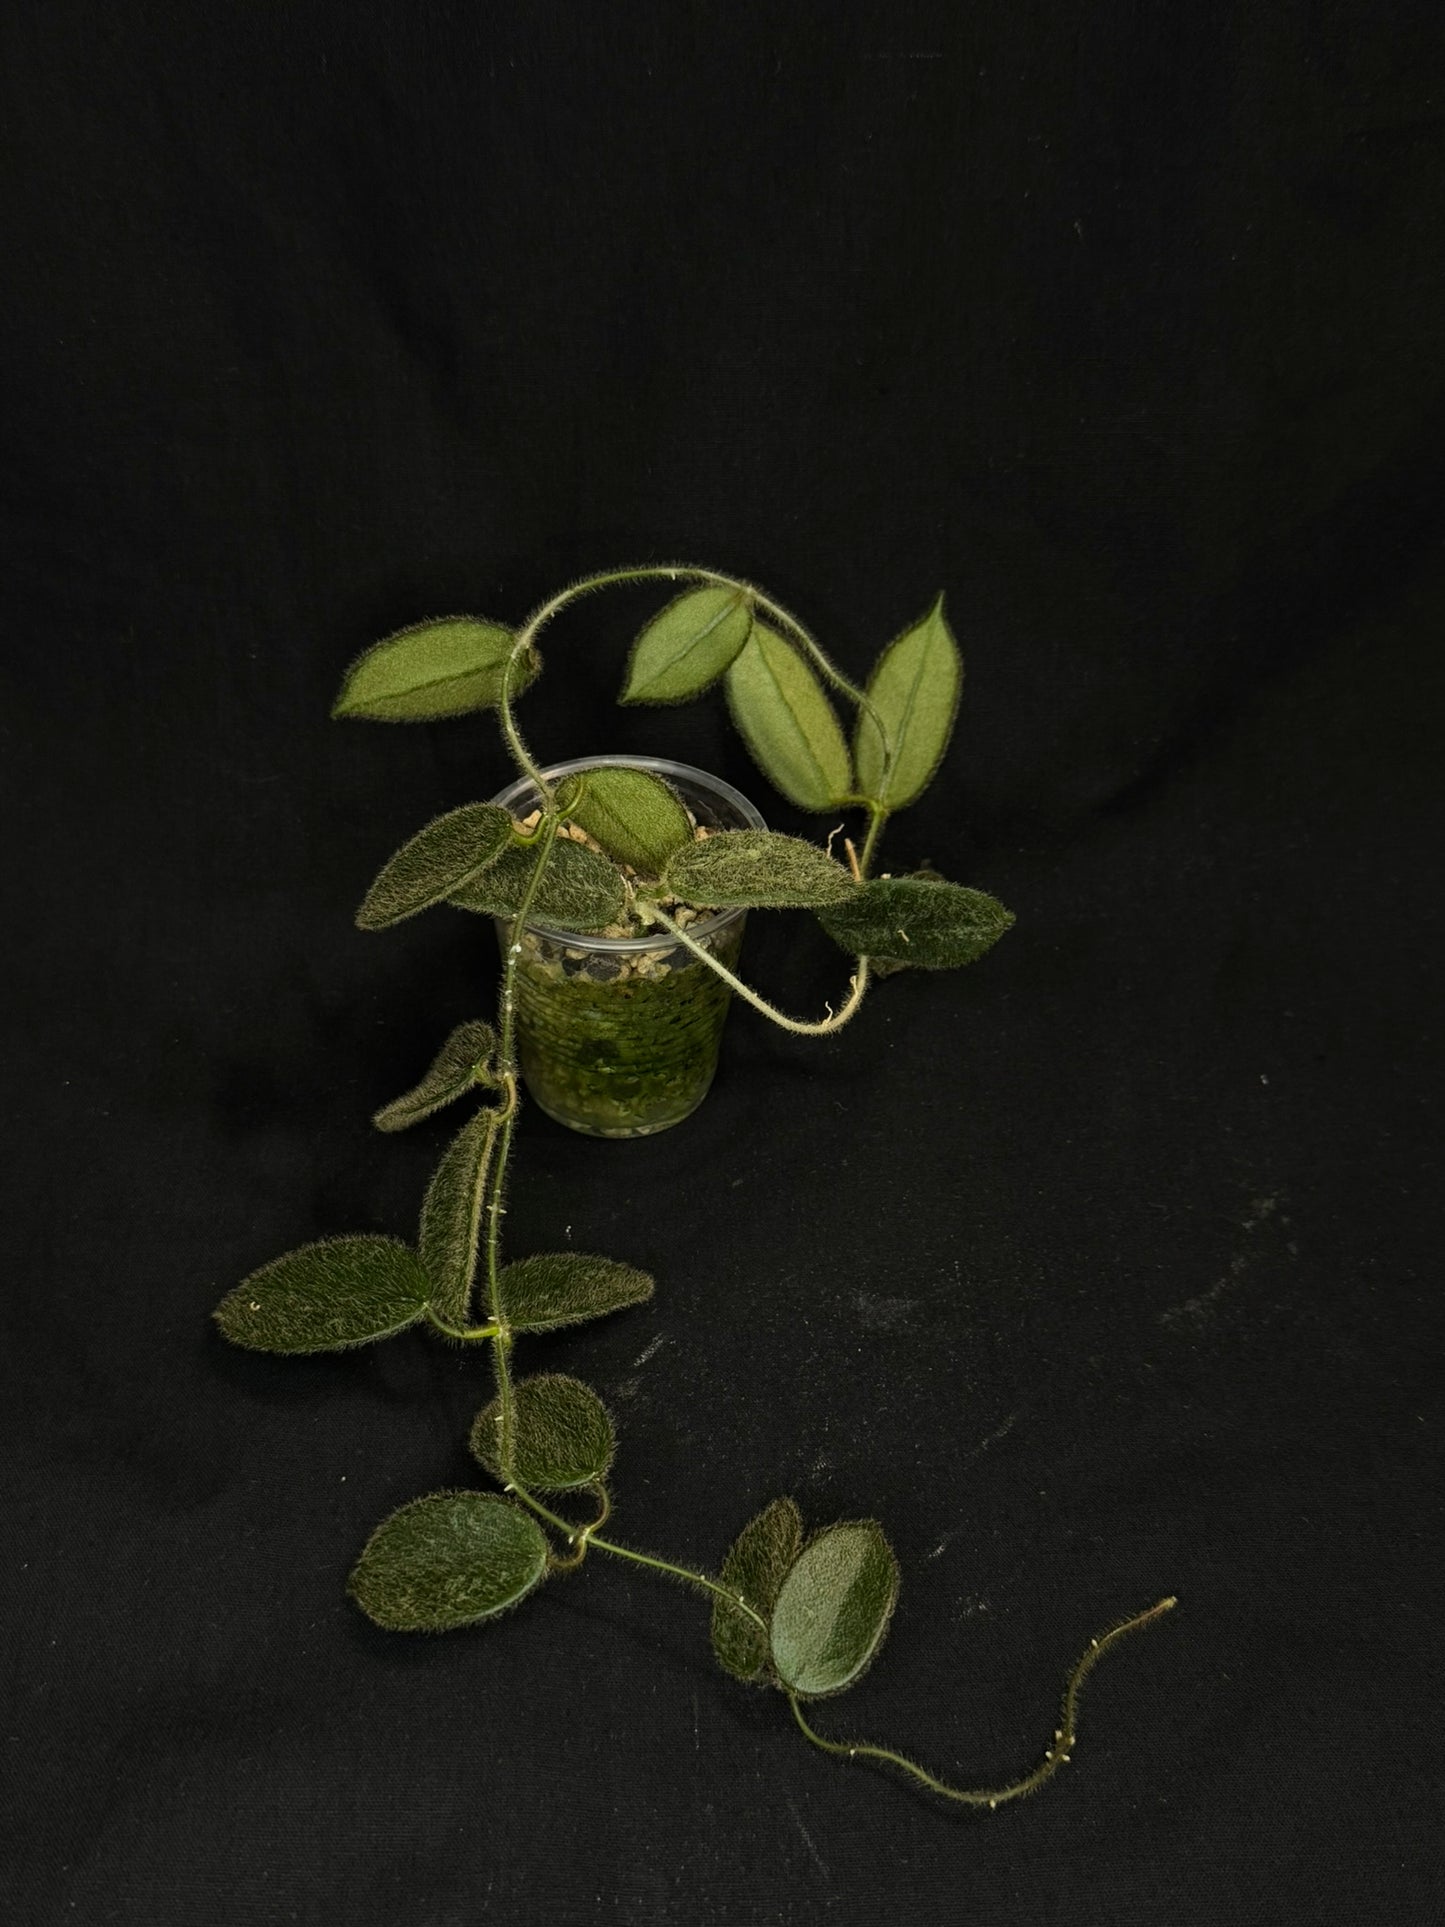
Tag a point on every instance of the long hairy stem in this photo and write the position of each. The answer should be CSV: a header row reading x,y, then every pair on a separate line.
x,y
496,1206
1055,1756
835,1020
668,572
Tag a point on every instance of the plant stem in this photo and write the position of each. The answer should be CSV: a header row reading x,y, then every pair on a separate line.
x,y
584,1536
466,1335
507,1064
877,817
857,984
685,1573
1055,1756
670,572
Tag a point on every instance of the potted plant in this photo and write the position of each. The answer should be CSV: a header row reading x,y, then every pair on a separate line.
x,y
618,1029
620,888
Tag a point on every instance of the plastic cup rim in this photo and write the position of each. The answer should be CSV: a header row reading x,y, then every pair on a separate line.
x,y
659,766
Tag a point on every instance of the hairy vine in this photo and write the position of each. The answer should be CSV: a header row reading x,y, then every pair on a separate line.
x,y
614,854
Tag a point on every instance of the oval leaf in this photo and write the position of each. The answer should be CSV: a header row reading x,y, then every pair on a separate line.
x,y
464,1061
448,1560
554,1288
833,1609
451,1216
634,816
580,890
914,687
927,923
446,667
687,647
757,868
447,853
755,1567
326,1296
562,1435
788,723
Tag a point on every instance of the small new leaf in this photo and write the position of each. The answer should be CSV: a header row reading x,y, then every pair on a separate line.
x,y
755,1568
833,1609
688,646
580,890
554,1288
561,1435
930,925
326,1297
788,723
448,1560
914,688
451,1216
446,667
464,1061
757,868
450,851
633,815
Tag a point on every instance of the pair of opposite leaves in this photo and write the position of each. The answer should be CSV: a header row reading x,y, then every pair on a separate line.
x,y
341,1292
456,664
456,1558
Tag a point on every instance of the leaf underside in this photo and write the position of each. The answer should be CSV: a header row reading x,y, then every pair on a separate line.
x,y
687,646
445,667
580,890
915,688
833,1609
755,1567
923,922
448,1560
464,1061
450,851
632,814
787,722
326,1297
757,868
553,1288
562,1434
451,1217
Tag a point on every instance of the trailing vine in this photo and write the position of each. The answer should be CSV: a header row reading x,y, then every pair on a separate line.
x,y
614,848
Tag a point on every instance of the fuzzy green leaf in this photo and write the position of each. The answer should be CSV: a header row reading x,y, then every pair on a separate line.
x,y
757,868
688,646
930,925
326,1296
833,1609
464,1061
562,1434
451,1216
755,1567
448,1560
580,890
449,852
553,1288
446,667
914,687
788,723
633,815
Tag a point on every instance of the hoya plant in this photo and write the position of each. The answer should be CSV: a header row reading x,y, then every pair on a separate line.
x,y
616,849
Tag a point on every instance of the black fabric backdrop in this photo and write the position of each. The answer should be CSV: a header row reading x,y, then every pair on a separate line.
x,y
1096,1272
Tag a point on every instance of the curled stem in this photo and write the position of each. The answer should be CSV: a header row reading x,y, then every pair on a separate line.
x,y
1055,1756
835,1020
669,572
579,1535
